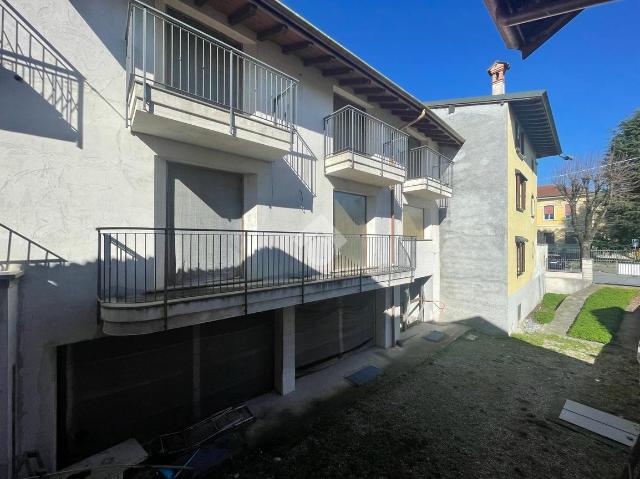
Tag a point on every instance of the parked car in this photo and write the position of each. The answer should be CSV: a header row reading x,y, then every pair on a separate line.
x,y
555,262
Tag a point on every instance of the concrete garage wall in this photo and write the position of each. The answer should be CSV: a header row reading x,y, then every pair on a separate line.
x,y
69,169
473,233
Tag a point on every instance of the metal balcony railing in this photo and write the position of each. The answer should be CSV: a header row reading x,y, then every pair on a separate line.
x,y
139,265
351,130
425,162
164,52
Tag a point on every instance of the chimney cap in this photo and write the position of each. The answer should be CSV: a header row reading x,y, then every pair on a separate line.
x,y
498,65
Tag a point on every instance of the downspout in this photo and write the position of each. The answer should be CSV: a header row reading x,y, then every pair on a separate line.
x,y
392,198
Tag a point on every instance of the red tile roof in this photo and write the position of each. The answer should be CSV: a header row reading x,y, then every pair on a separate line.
x,y
546,191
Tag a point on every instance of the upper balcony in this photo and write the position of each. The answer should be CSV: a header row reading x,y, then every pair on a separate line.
x,y
183,84
429,174
152,279
361,148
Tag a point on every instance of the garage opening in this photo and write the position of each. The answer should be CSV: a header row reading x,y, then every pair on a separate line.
x,y
327,329
112,389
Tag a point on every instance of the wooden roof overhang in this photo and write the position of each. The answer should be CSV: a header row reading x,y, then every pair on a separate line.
x,y
271,20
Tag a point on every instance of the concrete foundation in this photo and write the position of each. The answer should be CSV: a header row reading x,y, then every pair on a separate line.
x,y
8,366
565,283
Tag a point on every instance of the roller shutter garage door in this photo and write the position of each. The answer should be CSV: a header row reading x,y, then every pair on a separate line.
x,y
111,389
326,329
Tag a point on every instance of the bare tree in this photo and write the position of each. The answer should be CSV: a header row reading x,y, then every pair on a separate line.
x,y
589,185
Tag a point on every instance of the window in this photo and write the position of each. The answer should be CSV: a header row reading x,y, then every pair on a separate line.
x,y
548,212
413,221
567,211
533,206
520,253
521,191
549,238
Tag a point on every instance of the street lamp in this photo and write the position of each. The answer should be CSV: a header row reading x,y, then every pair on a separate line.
x,y
566,157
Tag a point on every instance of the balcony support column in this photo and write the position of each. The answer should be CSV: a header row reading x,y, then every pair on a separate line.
x,y
8,369
388,323
285,350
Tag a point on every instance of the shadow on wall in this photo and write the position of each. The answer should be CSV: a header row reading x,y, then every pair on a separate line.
x,y
18,251
99,15
38,82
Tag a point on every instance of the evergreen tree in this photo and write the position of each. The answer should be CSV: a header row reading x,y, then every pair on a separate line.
x,y
623,217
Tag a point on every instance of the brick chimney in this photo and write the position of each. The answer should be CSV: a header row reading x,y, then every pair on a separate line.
x,y
497,71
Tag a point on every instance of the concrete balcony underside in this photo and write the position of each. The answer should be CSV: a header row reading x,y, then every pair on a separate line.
x,y
427,188
177,117
123,319
358,167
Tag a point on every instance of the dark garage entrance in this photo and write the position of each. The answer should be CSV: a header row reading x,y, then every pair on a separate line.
x,y
115,388
326,329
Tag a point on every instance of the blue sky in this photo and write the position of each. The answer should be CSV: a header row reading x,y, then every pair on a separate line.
x,y
438,49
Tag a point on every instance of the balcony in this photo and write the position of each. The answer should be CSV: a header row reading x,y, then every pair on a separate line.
x,y
152,279
185,85
361,148
429,174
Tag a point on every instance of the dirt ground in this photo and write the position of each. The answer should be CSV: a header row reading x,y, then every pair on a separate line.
x,y
482,408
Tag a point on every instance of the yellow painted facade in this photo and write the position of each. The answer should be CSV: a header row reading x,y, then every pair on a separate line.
x,y
558,225
520,223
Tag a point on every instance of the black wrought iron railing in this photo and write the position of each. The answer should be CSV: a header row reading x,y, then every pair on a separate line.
x,y
356,132
165,52
425,162
138,265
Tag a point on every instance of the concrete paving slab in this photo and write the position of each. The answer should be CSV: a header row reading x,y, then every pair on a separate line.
x,y
363,376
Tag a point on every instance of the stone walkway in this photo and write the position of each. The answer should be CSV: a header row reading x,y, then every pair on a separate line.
x,y
568,310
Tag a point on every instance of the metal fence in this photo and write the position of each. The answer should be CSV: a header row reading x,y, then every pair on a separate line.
x,y
351,130
152,264
564,258
424,162
616,261
165,52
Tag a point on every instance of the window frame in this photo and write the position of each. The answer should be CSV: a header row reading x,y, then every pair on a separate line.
x,y
553,212
521,265
521,191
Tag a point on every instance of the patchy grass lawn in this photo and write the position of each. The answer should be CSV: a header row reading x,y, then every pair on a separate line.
x,y
574,348
546,310
601,314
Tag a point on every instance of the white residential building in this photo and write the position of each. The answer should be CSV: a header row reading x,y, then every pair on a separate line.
x,y
198,200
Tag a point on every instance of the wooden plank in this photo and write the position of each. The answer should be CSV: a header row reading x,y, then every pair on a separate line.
x,y
244,12
272,32
294,47
382,98
368,89
316,60
603,417
336,71
355,81
598,427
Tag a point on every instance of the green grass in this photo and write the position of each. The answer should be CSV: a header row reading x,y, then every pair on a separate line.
x,y
546,310
601,314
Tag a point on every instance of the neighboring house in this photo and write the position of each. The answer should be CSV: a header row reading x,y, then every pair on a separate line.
x,y
202,200
490,272
553,216
525,25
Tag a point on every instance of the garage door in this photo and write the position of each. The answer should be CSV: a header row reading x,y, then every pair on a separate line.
x,y
326,329
115,388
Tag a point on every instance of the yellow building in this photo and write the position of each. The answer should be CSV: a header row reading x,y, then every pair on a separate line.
x,y
553,216
492,274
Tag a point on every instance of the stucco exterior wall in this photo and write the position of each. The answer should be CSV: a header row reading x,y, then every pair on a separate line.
x,y
473,234
63,177
520,223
